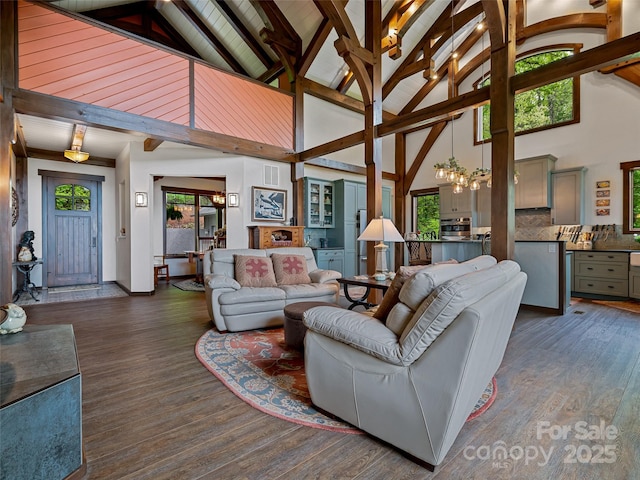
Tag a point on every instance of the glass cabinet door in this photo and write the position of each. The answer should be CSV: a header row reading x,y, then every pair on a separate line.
x,y
314,218
327,204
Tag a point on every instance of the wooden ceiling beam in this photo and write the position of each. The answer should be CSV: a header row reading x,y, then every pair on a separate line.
x,y
59,157
321,35
346,167
150,144
77,137
31,103
243,32
433,135
193,18
621,50
576,20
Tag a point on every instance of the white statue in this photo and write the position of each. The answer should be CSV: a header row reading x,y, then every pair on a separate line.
x,y
14,320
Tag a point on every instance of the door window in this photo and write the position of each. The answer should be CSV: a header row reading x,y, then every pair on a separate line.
x,y
73,197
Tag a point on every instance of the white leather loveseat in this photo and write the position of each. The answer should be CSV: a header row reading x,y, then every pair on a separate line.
x,y
233,307
413,379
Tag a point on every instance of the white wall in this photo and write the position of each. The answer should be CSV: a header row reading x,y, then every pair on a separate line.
x,y
608,133
108,212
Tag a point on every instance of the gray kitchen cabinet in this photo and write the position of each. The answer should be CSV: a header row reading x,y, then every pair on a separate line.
x,y
330,259
319,203
634,282
601,273
350,198
483,206
533,189
568,196
456,205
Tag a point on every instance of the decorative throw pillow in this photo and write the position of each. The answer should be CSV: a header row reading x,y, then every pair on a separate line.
x,y
290,269
254,271
392,295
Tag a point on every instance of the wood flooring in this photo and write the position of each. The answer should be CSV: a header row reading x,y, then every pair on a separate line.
x,y
152,411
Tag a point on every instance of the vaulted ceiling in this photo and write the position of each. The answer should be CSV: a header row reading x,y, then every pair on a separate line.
x,y
274,41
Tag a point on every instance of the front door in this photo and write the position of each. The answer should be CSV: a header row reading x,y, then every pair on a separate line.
x,y
72,246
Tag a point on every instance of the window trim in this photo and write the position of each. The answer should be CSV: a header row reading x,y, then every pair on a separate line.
x,y
188,191
576,47
627,168
419,193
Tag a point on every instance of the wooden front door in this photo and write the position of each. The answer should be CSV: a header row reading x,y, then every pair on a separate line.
x,y
72,230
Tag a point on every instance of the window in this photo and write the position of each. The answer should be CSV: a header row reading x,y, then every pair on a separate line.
x,y
631,197
426,212
73,197
544,107
192,219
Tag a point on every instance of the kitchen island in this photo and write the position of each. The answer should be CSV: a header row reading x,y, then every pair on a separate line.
x,y
547,264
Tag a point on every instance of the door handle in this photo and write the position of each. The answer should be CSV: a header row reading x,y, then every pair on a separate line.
x,y
93,242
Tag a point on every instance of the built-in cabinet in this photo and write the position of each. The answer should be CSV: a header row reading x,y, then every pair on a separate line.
x,y
456,205
601,273
483,207
568,196
634,282
351,198
319,203
533,189
261,236
330,259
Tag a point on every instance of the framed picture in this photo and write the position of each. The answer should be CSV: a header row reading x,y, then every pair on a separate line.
x,y
602,212
603,184
602,202
602,193
268,204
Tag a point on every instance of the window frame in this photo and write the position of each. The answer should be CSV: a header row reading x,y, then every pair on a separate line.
x,y
414,203
627,210
576,47
187,191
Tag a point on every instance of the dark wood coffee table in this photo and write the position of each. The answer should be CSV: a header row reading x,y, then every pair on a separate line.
x,y
362,281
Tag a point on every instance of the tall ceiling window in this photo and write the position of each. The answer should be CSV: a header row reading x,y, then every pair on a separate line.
x,y
544,107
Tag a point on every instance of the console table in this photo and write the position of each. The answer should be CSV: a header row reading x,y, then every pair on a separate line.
x,y
27,285
40,404
273,237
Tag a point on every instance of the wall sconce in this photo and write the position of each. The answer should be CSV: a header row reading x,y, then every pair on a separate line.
x,y
142,199
233,200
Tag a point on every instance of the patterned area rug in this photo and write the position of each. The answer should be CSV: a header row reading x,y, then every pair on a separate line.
x,y
627,305
259,368
189,285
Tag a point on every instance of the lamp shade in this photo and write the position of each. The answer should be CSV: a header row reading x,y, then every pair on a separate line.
x,y
381,229
76,155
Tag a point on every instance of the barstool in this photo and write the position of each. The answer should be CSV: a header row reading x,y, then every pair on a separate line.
x,y
160,269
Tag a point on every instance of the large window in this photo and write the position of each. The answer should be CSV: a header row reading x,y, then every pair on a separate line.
x,y
193,219
426,212
544,107
631,197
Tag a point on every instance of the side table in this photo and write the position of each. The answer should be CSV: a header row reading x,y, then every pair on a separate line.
x,y
366,282
27,285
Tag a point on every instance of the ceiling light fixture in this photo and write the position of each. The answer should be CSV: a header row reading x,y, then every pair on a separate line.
x,y
76,155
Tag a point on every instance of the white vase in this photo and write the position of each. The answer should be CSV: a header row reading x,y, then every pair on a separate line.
x,y
14,319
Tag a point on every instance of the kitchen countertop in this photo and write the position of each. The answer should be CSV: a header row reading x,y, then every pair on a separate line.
x,y
614,250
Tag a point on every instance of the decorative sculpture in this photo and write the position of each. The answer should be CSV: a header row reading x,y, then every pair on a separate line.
x,y
14,320
26,247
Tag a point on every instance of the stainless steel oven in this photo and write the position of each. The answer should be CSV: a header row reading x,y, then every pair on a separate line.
x,y
455,228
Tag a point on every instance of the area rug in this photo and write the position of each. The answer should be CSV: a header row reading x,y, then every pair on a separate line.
x,y
258,367
189,285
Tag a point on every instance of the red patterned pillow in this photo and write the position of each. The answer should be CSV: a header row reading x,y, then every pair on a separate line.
x,y
290,269
254,271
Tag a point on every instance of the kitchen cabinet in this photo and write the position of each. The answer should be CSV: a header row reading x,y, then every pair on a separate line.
x,y
330,259
483,206
350,198
533,189
456,205
601,273
568,196
319,203
634,282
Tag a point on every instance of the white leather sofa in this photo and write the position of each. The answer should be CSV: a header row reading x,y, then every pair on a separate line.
x,y
233,307
413,380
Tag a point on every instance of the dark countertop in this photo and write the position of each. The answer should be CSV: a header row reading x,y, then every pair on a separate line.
x,y
480,241
610,250
326,248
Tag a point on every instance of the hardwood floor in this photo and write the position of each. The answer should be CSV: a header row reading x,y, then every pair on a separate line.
x,y
151,410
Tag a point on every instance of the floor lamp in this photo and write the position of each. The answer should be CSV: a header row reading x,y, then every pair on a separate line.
x,y
381,230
